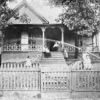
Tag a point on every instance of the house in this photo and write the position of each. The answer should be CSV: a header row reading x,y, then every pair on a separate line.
x,y
44,78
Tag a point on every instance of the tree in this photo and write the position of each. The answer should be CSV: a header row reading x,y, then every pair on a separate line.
x,y
6,13
81,16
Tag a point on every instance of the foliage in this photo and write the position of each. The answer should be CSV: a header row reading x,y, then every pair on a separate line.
x,y
5,14
82,16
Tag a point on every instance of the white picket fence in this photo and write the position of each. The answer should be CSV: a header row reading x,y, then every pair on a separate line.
x,y
18,76
14,66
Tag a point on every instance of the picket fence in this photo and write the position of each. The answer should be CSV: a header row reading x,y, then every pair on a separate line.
x,y
18,77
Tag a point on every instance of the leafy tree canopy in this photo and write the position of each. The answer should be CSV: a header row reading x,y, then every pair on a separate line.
x,y
82,16
5,13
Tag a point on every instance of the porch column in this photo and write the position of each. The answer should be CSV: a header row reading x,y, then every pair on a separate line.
x,y
95,40
98,41
1,45
43,36
62,37
76,44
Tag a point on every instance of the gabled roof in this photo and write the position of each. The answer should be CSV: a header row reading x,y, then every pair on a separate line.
x,y
26,5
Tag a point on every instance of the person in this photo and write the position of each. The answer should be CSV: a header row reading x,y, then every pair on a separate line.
x,y
86,60
56,46
28,61
65,54
46,52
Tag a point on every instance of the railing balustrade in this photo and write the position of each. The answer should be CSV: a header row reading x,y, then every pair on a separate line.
x,y
11,47
18,47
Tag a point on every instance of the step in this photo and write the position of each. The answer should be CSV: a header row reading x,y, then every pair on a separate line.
x,y
52,62
51,58
53,65
57,55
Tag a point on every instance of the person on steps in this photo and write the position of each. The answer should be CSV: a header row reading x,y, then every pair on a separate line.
x,y
46,52
56,46
65,54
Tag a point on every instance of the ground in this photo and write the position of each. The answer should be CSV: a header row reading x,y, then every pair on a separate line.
x,y
22,95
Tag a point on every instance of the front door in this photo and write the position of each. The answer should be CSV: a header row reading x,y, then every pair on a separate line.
x,y
24,41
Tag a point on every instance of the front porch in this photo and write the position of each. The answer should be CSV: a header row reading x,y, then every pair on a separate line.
x,y
31,37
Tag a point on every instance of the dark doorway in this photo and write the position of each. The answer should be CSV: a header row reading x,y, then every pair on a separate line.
x,y
52,35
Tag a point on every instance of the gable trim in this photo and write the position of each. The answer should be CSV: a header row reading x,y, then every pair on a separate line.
x,y
24,3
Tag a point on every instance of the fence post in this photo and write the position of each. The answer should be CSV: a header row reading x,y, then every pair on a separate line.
x,y
39,80
71,84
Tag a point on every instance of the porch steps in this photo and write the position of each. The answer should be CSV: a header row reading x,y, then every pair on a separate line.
x,y
54,63
56,57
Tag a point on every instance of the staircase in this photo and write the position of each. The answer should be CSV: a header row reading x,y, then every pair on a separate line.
x,y
55,62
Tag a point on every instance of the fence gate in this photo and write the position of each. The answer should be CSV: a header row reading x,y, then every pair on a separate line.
x,y
56,81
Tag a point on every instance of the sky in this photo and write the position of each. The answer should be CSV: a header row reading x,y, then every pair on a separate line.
x,y
43,8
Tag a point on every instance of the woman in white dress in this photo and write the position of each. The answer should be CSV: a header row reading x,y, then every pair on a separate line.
x,y
86,60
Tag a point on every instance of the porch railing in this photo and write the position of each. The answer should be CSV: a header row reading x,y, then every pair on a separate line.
x,y
12,45
18,47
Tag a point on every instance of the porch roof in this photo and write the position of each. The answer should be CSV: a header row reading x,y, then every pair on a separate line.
x,y
37,25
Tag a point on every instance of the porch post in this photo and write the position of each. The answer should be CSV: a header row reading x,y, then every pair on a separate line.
x,y
76,44
95,40
99,41
43,36
62,37
1,45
